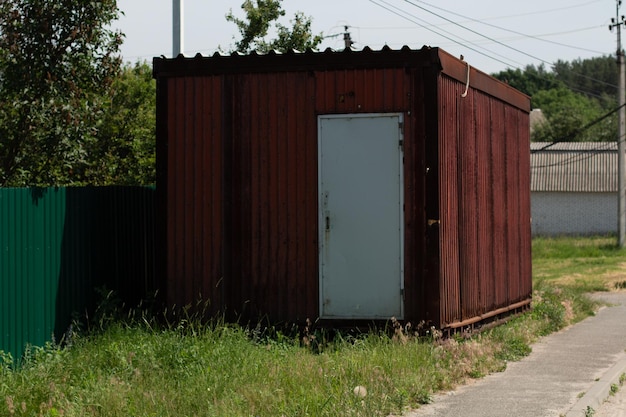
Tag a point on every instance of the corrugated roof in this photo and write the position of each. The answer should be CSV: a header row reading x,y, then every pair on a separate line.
x,y
331,60
573,166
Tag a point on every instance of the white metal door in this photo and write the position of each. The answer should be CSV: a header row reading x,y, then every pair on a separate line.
x,y
361,216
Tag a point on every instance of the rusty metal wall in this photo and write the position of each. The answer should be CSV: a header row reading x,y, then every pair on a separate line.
x,y
484,184
273,172
363,90
193,184
242,183
237,150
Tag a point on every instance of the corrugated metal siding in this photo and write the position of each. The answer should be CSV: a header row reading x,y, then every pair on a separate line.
x,y
513,202
252,180
31,241
574,167
416,285
459,194
362,90
524,222
195,201
260,183
483,177
275,203
498,197
60,244
468,206
448,200
485,205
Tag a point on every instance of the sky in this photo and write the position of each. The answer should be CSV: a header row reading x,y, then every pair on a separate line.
x,y
492,35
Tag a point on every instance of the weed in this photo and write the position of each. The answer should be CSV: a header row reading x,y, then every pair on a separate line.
x,y
178,362
548,307
423,397
108,308
614,388
589,411
515,348
6,363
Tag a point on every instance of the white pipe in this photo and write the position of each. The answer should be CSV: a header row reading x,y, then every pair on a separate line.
x,y
177,28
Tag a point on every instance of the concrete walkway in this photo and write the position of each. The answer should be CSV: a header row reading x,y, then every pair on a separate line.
x,y
566,373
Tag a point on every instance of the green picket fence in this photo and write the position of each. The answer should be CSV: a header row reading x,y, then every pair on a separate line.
x,y
58,246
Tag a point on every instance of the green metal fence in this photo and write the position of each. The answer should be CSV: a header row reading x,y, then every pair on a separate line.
x,y
58,245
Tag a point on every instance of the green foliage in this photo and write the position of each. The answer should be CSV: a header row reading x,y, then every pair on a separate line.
x,y
567,112
563,247
258,21
6,363
259,18
57,60
529,81
547,306
595,77
136,366
572,95
578,264
141,368
589,411
127,130
299,37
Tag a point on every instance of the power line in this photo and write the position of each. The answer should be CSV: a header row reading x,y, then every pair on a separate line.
x,y
522,34
477,33
403,14
538,37
410,19
576,158
559,9
569,137
513,31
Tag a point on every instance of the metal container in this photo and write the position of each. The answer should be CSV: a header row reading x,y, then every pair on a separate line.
x,y
274,179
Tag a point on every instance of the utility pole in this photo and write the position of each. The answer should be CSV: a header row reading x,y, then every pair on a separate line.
x,y
177,27
617,22
347,40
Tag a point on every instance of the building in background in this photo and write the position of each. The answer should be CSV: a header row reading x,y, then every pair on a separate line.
x,y
573,188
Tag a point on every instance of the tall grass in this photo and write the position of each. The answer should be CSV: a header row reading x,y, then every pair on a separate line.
x,y
136,367
223,370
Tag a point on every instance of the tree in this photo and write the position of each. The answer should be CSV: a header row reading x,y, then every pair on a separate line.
x,y
259,18
575,96
595,77
57,60
567,113
127,130
529,81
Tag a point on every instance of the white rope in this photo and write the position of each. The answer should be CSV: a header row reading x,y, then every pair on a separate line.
x,y
467,83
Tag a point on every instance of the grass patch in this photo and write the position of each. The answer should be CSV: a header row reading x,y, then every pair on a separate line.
x,y
140,368
584,263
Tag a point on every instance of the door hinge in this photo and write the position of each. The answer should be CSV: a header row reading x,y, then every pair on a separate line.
x,y
401,143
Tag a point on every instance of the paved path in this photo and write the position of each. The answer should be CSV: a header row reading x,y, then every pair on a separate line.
x,y
615,405
566,372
